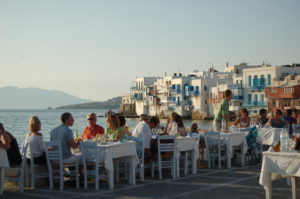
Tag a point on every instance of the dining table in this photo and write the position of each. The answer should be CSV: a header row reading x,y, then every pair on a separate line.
x,y
113,150
282,163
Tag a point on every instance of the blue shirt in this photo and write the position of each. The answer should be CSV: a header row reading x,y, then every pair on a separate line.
x,y
63,134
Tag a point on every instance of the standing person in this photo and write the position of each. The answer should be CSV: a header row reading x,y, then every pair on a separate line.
x,y
9,142
64,134
223,111
114,131
93,129
35,139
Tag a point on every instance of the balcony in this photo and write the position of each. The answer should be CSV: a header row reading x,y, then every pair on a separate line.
x,y
174,91
256,104
237,97
174,103
136,98
235,86
135,88
256,88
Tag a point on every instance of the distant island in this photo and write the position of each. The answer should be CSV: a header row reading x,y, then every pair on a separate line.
x,y
113,103
13,97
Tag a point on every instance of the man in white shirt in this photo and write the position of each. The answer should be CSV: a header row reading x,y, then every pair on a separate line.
x,y
143,129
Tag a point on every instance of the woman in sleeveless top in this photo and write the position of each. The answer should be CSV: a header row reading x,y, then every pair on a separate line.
x,y
9,142
244,120
35,139
114,132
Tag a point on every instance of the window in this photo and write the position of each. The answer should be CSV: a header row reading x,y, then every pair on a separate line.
x,y
255,80
249,98
273,90
262,80
205,88
262,98
249,80
288,90
269,79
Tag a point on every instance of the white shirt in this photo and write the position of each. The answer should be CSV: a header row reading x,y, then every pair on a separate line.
x,y
37,148
142,129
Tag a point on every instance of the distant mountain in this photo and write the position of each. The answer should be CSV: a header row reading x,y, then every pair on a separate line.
x,y
113,103
34,98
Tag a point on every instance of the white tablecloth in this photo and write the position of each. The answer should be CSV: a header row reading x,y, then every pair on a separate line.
x,y
113,150
188,144
3,163
283,163
235,139
268,136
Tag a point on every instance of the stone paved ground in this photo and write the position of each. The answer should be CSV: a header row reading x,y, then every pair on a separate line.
x,y
237,182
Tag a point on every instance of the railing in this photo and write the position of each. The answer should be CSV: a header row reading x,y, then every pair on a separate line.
x,y
257,88
256,104
136,88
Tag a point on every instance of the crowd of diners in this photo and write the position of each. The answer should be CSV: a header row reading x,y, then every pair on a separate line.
x,y
117,130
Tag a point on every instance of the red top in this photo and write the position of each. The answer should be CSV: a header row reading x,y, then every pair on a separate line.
x,y
90,132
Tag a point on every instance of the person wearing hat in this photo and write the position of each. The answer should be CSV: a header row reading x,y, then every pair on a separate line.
x,y
93,129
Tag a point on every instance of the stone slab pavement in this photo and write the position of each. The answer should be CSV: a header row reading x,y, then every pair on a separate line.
x,y
237,182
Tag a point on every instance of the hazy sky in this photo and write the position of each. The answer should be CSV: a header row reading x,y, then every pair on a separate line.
x,y
94,49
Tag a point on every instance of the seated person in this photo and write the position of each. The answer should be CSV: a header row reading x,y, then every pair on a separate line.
x,y
171,125
9,142
180,126
243,120
157,127
289,120
93,130
125,128
262,120
35,139
277,120
114,132
194,129
64,134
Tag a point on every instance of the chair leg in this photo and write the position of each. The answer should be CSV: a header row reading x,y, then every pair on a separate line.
x,y
61,179
32,177
96,177
185,163
152,169
142,174
159,169
85,175
77,176
117,177
174,167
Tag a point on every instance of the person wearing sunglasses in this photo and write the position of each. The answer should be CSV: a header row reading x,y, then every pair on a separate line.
x,y
93,129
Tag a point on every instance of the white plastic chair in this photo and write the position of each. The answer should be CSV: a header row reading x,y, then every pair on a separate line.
x,y
33,174
54,158
90,155
213,144
139,143
20,170
165,144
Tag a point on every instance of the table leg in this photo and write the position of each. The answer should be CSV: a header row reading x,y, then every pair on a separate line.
x,y
132,171
194,163
111,179
294,187
1,180
228,158
268,187
242,155
177,167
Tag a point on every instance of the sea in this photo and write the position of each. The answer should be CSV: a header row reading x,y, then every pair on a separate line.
x,y
16,121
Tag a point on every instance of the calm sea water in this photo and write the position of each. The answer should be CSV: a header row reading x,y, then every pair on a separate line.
x,y
16,121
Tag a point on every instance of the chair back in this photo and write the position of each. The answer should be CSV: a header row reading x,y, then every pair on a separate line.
x,y
212,138
166,143
89,150
139,144
53,151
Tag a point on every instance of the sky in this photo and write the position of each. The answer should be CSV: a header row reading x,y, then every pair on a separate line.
x,y
94,49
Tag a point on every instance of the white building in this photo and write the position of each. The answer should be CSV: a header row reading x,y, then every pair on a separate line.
x,y
140,91
256,79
